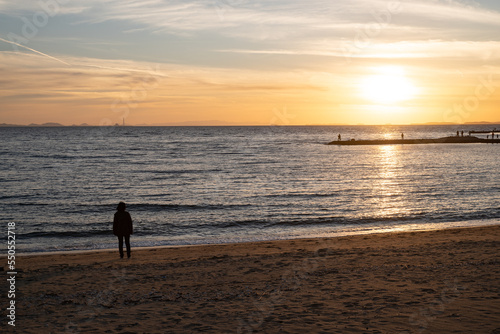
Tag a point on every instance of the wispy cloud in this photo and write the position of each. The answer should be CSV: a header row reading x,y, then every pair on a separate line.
x,y
466,50
285,17
99,83
291,26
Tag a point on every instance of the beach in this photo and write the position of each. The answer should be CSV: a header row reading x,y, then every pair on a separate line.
x,y
444,281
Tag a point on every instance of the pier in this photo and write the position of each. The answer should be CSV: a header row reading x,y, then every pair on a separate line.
x,y
485,132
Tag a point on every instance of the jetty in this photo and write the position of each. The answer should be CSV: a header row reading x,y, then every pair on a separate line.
x,y
483,131
444,140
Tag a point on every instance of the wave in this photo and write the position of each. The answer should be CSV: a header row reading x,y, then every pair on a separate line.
x,y
63,234
183,171
305,195
172,228
339,220
132,207
421,217
184,207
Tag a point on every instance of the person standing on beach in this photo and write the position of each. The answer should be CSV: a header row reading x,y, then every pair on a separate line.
x,y
122,228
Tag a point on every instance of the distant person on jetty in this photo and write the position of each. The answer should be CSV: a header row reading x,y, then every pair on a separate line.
x,y
122,228
402,136
340,137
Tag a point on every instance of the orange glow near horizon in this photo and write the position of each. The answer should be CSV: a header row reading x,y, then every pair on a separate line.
x,y
191,95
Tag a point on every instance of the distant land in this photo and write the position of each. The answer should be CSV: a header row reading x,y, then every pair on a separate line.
x,y
451,123
472,123
194,123
31,125
50,124
223,123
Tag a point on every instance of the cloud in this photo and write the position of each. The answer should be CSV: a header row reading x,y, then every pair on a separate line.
x,y
243,16
466,50
290,27
40,78
284,18
52,7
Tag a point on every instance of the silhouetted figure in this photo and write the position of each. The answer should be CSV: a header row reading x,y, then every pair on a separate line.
x,y
402,136
458,134
122,228
340,137
462,133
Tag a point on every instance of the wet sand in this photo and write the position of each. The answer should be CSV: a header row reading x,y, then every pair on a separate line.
x,y
445,281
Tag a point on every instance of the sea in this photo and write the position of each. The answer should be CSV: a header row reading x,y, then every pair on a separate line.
x,y
215,185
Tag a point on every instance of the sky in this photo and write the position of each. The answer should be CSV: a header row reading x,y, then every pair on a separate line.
x,y
249,62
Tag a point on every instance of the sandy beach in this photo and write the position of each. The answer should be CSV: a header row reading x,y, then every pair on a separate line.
x,y
445,281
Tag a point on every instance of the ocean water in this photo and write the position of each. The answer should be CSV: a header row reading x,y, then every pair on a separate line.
x,y
198,185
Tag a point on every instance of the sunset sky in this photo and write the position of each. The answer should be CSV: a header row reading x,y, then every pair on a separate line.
x,y
243,62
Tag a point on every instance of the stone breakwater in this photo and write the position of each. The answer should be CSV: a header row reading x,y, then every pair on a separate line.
x,y
444,140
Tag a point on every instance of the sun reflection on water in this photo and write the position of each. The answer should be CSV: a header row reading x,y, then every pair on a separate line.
x,y
387,185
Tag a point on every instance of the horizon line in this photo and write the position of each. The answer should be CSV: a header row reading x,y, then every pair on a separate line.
x,y
182,124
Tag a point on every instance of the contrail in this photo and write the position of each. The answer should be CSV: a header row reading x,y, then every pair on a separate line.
x,y
62,61
33,50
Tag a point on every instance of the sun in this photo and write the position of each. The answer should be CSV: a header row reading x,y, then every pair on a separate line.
x,y
388,86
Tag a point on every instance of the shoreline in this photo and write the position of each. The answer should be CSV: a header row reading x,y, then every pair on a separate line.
x,y
337,234
251,244
399,282
108,251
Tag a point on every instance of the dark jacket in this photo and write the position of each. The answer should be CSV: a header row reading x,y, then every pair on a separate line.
x,y
122,224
